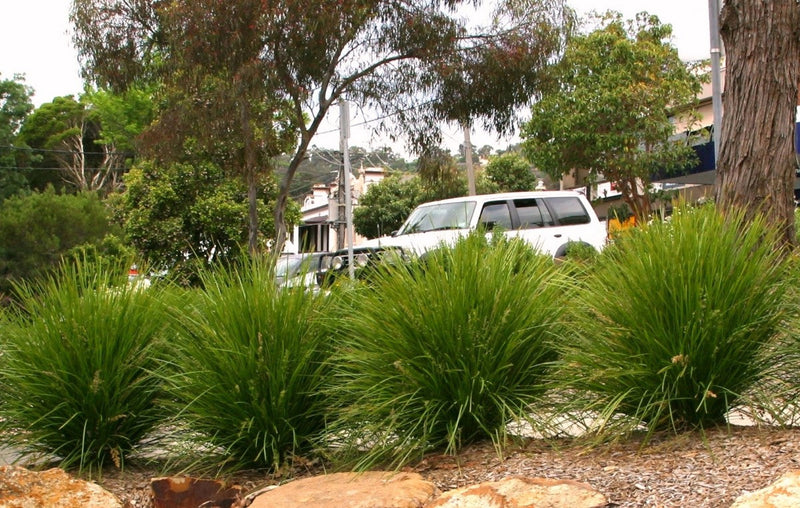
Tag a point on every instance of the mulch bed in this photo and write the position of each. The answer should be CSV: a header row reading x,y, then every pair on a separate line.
x,y
695,469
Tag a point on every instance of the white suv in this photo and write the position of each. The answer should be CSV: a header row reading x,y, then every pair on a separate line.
x,y
548,220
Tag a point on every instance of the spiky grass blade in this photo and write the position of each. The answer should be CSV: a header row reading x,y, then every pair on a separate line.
x,y
444,353
79,367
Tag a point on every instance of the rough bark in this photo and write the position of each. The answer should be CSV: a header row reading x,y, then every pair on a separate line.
x,y
756,167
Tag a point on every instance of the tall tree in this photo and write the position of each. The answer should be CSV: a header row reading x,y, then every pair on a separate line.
x,y
121,118
61,135
15,106
439,175
756,167
377,53
609,112
183,215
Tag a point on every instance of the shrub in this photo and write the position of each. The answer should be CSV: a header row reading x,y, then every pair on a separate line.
x,y
78,372
444,352
677,321
251,362
38,229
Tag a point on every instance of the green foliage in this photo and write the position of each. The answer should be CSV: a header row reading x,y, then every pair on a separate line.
x,y
612,107
439,175
188,215
244,60
511,173
15,106
252,362
78,373
444,352
60,135
677,321
36,230
384,207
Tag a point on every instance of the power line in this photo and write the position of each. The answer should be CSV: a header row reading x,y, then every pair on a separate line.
x,y
70,152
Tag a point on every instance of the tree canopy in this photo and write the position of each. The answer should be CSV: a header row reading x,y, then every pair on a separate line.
x,y
510,172
286,64
386,205
15,106
610,110
184,214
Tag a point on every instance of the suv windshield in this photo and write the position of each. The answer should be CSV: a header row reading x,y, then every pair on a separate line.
x,y
439,216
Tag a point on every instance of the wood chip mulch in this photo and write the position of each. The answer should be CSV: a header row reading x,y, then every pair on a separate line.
x,y
708,469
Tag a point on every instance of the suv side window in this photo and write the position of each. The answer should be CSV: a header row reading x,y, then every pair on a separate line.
x,y
568,210
532,214
496,215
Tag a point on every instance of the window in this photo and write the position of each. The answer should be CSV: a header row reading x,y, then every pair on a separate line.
x,y
496,215
439,217
568,210
531,215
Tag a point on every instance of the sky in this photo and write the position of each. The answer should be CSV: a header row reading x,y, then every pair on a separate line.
x,y
35,40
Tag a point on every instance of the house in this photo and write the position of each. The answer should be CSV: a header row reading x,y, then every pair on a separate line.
x,y
319,229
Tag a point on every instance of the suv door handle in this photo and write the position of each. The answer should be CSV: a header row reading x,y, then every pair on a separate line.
x,y
557,235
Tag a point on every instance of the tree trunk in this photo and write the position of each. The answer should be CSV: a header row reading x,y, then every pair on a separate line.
x,y
756,167
251,177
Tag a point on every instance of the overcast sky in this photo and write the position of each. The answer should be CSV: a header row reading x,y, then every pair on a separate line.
x,y
35,41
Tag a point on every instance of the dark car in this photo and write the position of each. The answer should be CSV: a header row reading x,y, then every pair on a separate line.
x,y
335,265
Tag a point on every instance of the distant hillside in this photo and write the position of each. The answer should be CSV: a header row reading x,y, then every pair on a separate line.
x,y
322,166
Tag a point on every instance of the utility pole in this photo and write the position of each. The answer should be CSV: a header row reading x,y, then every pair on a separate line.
x,y
344,135
468,158
716,81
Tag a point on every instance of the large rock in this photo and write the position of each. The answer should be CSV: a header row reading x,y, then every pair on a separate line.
x,y
54,488
186,492
351,490
784,493
516,492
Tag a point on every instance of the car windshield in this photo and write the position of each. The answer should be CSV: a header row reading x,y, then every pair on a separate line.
x,y
439,216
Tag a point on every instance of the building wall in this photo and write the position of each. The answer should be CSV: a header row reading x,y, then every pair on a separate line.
x,y
317,231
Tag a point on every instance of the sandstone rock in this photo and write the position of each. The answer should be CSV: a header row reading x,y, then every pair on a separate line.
x,y
784,493
351,490
519,492
54,488
186,492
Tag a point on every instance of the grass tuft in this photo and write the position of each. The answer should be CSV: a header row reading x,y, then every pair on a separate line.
x,y
445,352
677,321
78,371
251,360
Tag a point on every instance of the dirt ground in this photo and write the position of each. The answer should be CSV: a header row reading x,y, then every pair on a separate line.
x,y
695,469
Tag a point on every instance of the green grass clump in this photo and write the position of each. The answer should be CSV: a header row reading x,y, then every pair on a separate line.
x,y
446,351
78,371
677,321
251,363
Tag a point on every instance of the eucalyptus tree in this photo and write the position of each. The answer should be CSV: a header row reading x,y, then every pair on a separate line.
x,y
611,108
757,154
264,72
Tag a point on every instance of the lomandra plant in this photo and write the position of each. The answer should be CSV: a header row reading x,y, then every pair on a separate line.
x,y
444,352
251,361
79,367
677,322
